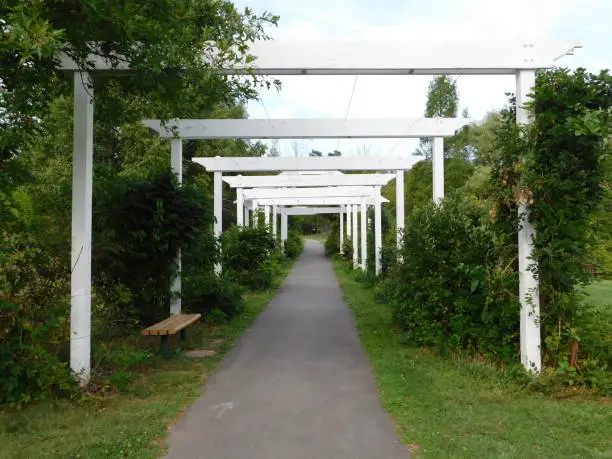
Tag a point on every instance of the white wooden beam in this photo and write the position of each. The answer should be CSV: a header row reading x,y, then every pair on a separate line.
x,y
273,181
377,57
364,236
280,163
310,210
218,210
202,129
329,201
82,188
337,191
240,207
342,229
377,237
438,169
529,287
399,208
176,164
383,57
355,235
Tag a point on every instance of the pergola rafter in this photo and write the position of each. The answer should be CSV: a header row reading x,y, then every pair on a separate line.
x,y
317,58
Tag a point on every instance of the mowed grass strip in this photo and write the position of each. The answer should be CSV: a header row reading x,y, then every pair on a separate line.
x,y
456,408
133,422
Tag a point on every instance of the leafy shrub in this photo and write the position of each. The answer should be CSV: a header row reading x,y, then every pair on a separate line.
x,y
332,243
294,245
217,298
454,288
246,254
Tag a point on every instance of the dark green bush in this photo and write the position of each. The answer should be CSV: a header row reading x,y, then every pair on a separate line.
x,y
246,255
455,288
215,297
294,245
332,243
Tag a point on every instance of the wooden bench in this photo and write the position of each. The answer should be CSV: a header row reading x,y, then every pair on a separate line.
x,y
171,326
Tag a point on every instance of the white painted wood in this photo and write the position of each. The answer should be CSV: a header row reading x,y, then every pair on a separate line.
x,y
383,57
286,180
176,164
285,163
310,210
376,128
240,207
218,210
274,221
349,222
399,207
438,169
284,225
82,186
267,216
529,288
364,236
247,215
377,236
355,235
425,57
331,201
342,229
336,191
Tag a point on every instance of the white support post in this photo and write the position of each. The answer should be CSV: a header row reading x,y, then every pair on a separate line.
x,y
529,293
377,233
82,183
274,221
355,236
284,224
349,221
267,216
438,169
176,164
364,235
247,216
218,211
240,211
399,207
342,210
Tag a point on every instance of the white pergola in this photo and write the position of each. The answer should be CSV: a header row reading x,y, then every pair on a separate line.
x,y
490,57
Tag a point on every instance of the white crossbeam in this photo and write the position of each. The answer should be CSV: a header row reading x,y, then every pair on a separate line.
x,y
324,192
331,201
194,129
343,163
310,210
281,180
380,57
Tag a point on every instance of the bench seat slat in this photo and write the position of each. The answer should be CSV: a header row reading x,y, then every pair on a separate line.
x,y
172,324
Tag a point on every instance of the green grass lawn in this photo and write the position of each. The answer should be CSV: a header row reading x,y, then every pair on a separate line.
x,y
133,422
454,408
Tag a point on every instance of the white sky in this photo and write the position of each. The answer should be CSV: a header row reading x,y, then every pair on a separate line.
x,y
584,21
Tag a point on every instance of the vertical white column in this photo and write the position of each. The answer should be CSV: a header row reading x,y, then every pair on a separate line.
x,y
529,287
349,223
399,206
283,228
267,216
377,232
355,237
274,221
239,207
364,235
438,169
82,182
176,164
341,229
247,216
218,210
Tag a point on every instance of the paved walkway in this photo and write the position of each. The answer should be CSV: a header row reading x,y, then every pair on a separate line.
x,y
297,385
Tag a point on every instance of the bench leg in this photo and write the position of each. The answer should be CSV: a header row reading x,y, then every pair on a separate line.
x,y
183,334
164,345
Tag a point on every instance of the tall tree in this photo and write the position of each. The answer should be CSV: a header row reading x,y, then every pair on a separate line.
x,y
442,101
